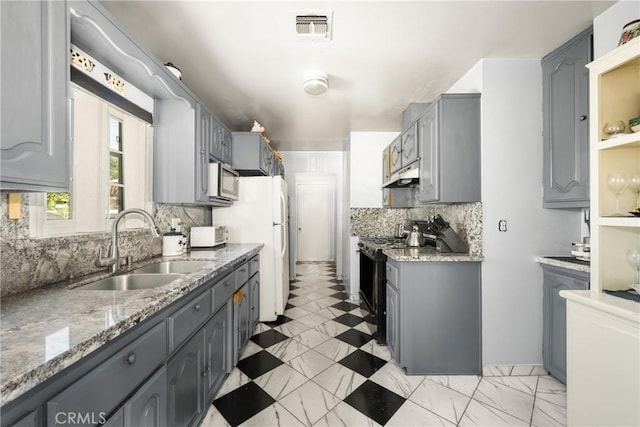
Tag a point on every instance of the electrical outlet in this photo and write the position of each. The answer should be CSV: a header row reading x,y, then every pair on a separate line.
x,y
175,223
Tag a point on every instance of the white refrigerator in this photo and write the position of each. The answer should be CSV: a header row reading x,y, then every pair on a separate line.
x,y
260,216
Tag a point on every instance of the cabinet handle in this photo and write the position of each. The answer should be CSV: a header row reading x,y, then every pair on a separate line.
x,y
243,270
131,358
197,307
227,283
206,371
582,118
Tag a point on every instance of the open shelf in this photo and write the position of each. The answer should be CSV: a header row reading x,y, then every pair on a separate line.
x,y
617,221
626,140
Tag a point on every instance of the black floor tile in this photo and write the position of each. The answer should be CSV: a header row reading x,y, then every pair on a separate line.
x,y
349,319
337,287
288,306
333,280
243,403
340,295
280,320
258,364
292,287
366,364
345,306
369,319
354,337
268,338
375,402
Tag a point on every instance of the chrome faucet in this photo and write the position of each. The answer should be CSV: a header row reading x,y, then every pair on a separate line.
x,y
113,260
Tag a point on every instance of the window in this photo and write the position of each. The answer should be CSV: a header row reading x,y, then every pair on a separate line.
x,y
112,171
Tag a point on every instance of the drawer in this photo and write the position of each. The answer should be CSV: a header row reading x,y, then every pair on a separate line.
x,y
104,388
186,320
222,291
242,275
392,275
254,265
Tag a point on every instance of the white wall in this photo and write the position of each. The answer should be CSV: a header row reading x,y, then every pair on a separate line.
x,y
346,217
512,190
308,164
366,167
607,26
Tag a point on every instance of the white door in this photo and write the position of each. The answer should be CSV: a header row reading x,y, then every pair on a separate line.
x,y
314,221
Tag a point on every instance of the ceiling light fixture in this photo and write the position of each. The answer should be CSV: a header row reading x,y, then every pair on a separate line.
x,y
316,84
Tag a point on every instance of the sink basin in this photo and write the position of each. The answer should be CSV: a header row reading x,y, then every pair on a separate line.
x,y
130,282
169,267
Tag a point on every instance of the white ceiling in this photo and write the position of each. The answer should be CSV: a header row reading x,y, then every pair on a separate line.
x,y
244,61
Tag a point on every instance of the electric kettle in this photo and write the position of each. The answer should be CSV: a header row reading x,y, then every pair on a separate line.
x,y
415,238
173,243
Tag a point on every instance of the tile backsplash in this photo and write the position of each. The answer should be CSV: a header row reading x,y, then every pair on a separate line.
x,y
464,218
28,263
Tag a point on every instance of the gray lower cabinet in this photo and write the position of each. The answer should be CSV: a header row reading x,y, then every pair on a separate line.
x,y
449,146
251,154
254,302
148,407
34,107
565,106
554,309
241,320
435,318
116,420
186,383
30,420
217,336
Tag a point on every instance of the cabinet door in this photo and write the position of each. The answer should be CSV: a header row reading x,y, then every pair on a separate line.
x,y
393,323
34,82
254,301
429,188
226,146
395,155
265,152
386,165
216,147
185,383
554,345
148,407
241,319
202,152
409,149
217,342
566,125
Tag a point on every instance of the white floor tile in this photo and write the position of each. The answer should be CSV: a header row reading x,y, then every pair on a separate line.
x,y
347,416
299,301
310,402
235,380
393,378
328,301
261,327
213,418
505,398
310,363
339,380
552,390
523,384
331,328
465,384
412,415
497,371
548,414
381,351
312,306
330,312
312,320
287,350
478,414
295,312
292,328
311,338
250,349
528,370
441,400
281,381
364,327
273,416
335,349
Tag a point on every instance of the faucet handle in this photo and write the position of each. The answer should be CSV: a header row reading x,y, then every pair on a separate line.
x,y
104,262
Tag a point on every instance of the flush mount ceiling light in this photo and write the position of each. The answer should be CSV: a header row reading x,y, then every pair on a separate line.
x,y
316,84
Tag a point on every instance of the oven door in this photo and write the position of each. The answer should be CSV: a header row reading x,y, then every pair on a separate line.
x,y
367,270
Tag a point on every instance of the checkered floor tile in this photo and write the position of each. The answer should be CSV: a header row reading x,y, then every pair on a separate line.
x,y
318,366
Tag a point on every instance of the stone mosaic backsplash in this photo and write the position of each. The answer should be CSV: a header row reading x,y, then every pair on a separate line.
x,y
28,263
464,218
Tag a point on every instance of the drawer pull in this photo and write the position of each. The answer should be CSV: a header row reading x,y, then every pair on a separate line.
x,y
244,269
206,371
227,283
131,358
197,307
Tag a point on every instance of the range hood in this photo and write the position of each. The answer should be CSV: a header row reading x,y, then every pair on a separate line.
x,y
405,177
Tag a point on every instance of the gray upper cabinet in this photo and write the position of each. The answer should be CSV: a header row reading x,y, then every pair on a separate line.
x,y
554,307
386,165
220,142
203,146
251,154
34,82
565,104
395,155
409,142
449,146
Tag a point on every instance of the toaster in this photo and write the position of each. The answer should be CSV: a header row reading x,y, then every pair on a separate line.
x,y
208,237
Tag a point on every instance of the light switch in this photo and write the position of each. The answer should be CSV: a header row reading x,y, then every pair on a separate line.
x,y
15,205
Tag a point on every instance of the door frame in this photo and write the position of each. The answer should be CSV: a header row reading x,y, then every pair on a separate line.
x,y
319,178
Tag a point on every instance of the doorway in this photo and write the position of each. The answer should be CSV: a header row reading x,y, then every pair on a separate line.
x,y
314,213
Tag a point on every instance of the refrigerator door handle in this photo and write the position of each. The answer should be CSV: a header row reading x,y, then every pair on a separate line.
x,y
284,240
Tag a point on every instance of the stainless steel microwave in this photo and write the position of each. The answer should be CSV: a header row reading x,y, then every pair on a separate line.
x,y
223,182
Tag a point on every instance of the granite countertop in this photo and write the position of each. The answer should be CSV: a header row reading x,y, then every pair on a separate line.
x,y
567,262
428,253
46,330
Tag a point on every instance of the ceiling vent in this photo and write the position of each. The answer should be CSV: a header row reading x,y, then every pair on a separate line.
x,y
314,25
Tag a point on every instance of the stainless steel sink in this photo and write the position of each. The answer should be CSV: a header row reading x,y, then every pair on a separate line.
x,y
169,267
130,282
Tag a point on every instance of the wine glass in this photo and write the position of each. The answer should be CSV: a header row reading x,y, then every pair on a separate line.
x,y
634,186
614,128
633,258
617,183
